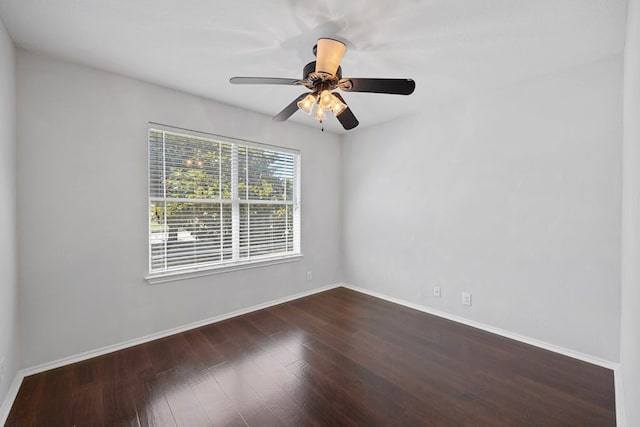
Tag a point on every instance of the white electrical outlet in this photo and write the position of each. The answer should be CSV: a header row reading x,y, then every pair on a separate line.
x,y
466,298
1,370
436,291
309,276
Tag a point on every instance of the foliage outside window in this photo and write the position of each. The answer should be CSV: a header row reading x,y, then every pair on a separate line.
x,y
219,202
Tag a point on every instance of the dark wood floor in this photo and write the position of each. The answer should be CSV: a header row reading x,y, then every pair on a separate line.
x,y
335,358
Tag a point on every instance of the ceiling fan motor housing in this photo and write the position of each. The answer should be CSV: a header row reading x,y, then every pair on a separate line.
x,y
310,69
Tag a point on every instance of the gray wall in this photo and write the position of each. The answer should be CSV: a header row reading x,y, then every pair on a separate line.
x,y
8,241
630,325
512,195
82,201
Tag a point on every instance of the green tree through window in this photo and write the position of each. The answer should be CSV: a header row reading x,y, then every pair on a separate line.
x,y
216,202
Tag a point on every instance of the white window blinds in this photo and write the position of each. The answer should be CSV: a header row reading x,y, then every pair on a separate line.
x,y
216,202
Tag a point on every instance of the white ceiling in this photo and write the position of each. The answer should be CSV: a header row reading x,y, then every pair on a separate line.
x,y
451,48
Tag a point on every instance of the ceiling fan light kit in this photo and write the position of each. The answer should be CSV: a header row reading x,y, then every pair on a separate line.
x,y
323,76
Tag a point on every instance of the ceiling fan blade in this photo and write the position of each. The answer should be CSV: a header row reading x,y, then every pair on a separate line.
x,y
329,53
391,86
289,109
347,119
263,81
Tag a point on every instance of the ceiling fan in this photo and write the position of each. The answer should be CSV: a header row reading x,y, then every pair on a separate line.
x,y
323,76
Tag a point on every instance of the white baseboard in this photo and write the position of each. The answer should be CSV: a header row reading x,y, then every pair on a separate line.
x,y
514,336
621,414
7,403
617,374
20,375
162,334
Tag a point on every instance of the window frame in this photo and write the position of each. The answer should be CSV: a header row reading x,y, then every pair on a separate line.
x,y
199,270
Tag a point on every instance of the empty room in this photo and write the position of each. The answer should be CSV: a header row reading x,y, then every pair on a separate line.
x,y
288,213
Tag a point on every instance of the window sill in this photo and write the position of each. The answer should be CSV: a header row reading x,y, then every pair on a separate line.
x,y
170,276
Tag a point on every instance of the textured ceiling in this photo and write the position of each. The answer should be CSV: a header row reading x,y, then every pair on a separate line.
x,y
451,48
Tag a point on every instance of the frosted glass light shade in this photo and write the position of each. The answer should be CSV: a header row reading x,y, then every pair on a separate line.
x,y
325,99
337,106
320,114
306,104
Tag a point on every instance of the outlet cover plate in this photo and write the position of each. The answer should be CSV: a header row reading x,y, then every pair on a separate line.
x,y
466,298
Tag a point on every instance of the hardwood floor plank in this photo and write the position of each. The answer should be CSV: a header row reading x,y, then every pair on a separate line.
x,y
56,399
277,394
87,404
118,402
268,323
203,352
161,357
150,402
219,407
338,358
324,340
250,406
312,400
182,400
24,411
334,395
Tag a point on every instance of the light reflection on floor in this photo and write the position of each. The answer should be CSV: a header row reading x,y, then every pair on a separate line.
x,y
243,385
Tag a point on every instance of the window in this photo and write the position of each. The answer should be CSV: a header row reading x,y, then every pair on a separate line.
x,y
219,202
